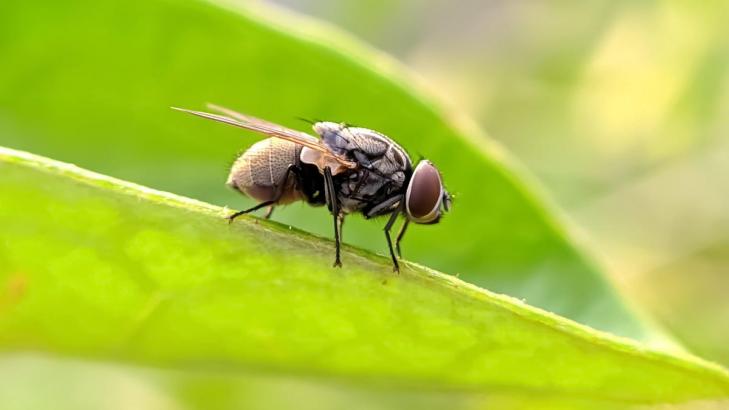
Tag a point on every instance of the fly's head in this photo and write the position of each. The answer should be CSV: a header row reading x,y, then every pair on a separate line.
x,y
426,199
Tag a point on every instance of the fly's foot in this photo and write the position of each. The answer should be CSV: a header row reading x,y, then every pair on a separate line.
x,y
337,263
232,217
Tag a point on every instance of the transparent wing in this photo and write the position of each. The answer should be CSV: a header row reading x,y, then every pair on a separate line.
x,y
267,128
262,123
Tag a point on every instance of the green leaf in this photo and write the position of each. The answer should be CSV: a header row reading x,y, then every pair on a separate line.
x,y
98,267
91,84
62,383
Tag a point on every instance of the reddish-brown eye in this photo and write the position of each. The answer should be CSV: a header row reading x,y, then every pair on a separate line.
x,y
424,194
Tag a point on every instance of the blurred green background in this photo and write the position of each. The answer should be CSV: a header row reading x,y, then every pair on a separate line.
x,y
619,108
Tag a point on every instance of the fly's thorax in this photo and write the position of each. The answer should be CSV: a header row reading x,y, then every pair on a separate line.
x,y
371,148
332,136
261,170
383,166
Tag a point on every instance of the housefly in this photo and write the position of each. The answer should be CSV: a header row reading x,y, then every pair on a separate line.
x,y
348,169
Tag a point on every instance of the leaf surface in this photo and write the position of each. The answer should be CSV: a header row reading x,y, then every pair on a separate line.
x,y
97,267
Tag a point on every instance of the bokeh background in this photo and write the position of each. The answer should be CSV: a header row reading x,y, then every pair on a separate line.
x,y
620,108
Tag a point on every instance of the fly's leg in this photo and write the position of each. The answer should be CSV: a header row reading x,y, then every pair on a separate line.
x,y
390,222
249,210
269,212
400,234
385,207
338,232
340,220
271,203
363,178
333,205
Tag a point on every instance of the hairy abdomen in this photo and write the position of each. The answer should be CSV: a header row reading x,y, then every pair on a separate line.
x,y
260,171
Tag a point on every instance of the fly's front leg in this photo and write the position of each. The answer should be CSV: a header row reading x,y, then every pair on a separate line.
x,y
333,205
400,234
390,222
385,207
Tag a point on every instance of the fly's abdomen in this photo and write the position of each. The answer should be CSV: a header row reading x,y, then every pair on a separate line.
x,y
260,172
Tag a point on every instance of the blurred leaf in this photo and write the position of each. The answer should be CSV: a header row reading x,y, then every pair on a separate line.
x,y
80,385
691,287
98,267
91,84
671,251
691,198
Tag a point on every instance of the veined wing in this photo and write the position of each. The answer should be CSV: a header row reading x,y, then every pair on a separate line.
x,y
263,123
272,130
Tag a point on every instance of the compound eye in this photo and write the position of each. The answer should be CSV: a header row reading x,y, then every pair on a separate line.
x,y
424,194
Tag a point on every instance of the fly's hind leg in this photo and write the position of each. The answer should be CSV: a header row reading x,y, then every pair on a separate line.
x,y
269,212
249,210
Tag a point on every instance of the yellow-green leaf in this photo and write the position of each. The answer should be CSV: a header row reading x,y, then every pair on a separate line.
x,y
96,267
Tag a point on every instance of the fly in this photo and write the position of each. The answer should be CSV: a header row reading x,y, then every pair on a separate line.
x,y
348,169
